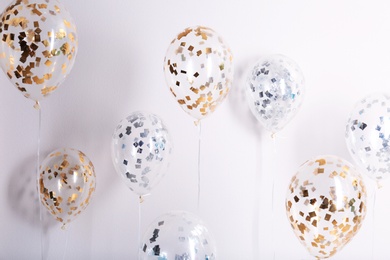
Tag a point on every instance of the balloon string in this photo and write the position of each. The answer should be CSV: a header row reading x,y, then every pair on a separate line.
x,y
38,191
273,194
373,223
139,227
66,242
199,143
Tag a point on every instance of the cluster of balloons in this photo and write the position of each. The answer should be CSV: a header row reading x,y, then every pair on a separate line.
x,y
326,200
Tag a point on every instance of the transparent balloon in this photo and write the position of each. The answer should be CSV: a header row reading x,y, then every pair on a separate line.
x,y
141,149
178,235
367,135
198,70
38,46
67,182
275,88
326,204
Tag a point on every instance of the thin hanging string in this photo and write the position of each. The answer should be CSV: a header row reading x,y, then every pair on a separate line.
x,y
373,222
139,227
37,106
199,143
66,242
273,136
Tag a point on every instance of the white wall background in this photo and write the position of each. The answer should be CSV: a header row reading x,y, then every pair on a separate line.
x,y
343,50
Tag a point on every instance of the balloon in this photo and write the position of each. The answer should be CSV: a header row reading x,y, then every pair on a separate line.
x,y
141,148
38,46
326,204
177,235
275,88
66,183
198,69
368,135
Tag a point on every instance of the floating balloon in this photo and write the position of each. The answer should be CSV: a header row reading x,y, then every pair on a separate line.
x,y
368,135
66,183
198,69
38,46
275,88
141,148
326,204
177,235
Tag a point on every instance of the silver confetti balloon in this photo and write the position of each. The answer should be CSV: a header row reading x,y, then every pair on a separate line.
x,y
178,235
141,148
368,135
275,88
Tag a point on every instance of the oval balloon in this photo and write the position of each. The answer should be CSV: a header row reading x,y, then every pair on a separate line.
x,y
141,148
178,235
67,182
198,69
326,204
38,46
368,135
275,88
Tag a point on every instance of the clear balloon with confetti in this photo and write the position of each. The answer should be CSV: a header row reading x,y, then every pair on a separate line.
x,y
275,88
198,69
178,235
326,204
38,46
367,135
141,150
67,182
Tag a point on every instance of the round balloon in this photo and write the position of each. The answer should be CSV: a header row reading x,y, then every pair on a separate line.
x,y
177,235
141,148
368,135
326,204
38,45
198,69
275,88
66,183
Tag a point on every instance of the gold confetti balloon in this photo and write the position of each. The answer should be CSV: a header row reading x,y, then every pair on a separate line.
x,y
38,46
198,69
66,183
326,204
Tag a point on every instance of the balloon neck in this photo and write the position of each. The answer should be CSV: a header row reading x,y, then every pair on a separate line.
x,y
273,135
37,106
141,199
378,185
197,122
63,226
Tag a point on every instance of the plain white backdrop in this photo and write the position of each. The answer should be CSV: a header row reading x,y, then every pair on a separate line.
x,y
343,50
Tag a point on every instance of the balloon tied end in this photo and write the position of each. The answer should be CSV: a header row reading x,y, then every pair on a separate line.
x,y
63,227
37,106
141,199
379,185
273,135
196,123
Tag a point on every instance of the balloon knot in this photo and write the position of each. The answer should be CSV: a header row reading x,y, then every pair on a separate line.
x,y
37,106
63,226
197,122
273,135
141,199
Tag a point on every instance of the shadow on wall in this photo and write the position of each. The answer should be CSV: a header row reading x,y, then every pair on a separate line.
x,y
23,198
237,97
